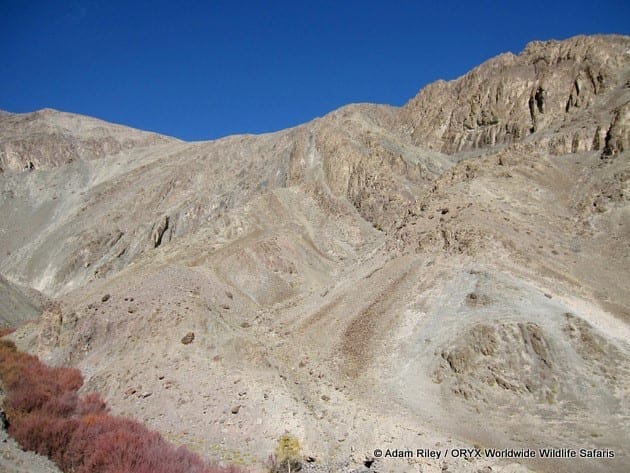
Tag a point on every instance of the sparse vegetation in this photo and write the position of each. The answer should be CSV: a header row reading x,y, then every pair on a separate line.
x,y
287,458
46,415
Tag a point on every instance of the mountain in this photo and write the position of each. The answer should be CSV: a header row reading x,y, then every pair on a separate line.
x,y
450,273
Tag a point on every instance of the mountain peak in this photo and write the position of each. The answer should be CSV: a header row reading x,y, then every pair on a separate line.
x,y
539,96
49,138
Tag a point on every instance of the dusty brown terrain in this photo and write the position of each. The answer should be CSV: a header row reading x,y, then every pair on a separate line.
x,y
448,274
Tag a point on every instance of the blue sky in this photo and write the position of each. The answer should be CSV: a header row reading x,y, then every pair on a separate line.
x,y
206,69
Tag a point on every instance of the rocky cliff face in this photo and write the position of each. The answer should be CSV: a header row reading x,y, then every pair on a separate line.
x,y
356,280
562,95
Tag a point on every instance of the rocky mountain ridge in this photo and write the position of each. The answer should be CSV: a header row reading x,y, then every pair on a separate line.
x,y
378,277
48,138
568,94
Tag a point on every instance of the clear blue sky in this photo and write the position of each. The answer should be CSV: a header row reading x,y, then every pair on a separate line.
x,y
205,69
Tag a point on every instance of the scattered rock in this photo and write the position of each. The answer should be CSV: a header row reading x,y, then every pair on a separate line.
x,y
474,299
168,384
188,338
235,409
105,298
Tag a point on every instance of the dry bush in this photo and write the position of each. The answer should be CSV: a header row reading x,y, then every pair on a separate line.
x,y
45,434
287,457
46,415
91,404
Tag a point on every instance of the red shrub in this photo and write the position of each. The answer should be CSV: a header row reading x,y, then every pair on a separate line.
x,y
12,364
63,406
86,432
45,434
113,444
22,401
46,415
121,449
66,379
91,404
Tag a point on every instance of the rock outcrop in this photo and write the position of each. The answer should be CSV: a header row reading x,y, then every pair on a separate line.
x,y
555,93
618,134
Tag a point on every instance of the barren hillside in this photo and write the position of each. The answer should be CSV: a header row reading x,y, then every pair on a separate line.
x,y
451,273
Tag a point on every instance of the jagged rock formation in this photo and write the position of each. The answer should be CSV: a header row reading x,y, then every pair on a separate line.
x,y
561,92
618,134
374,274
